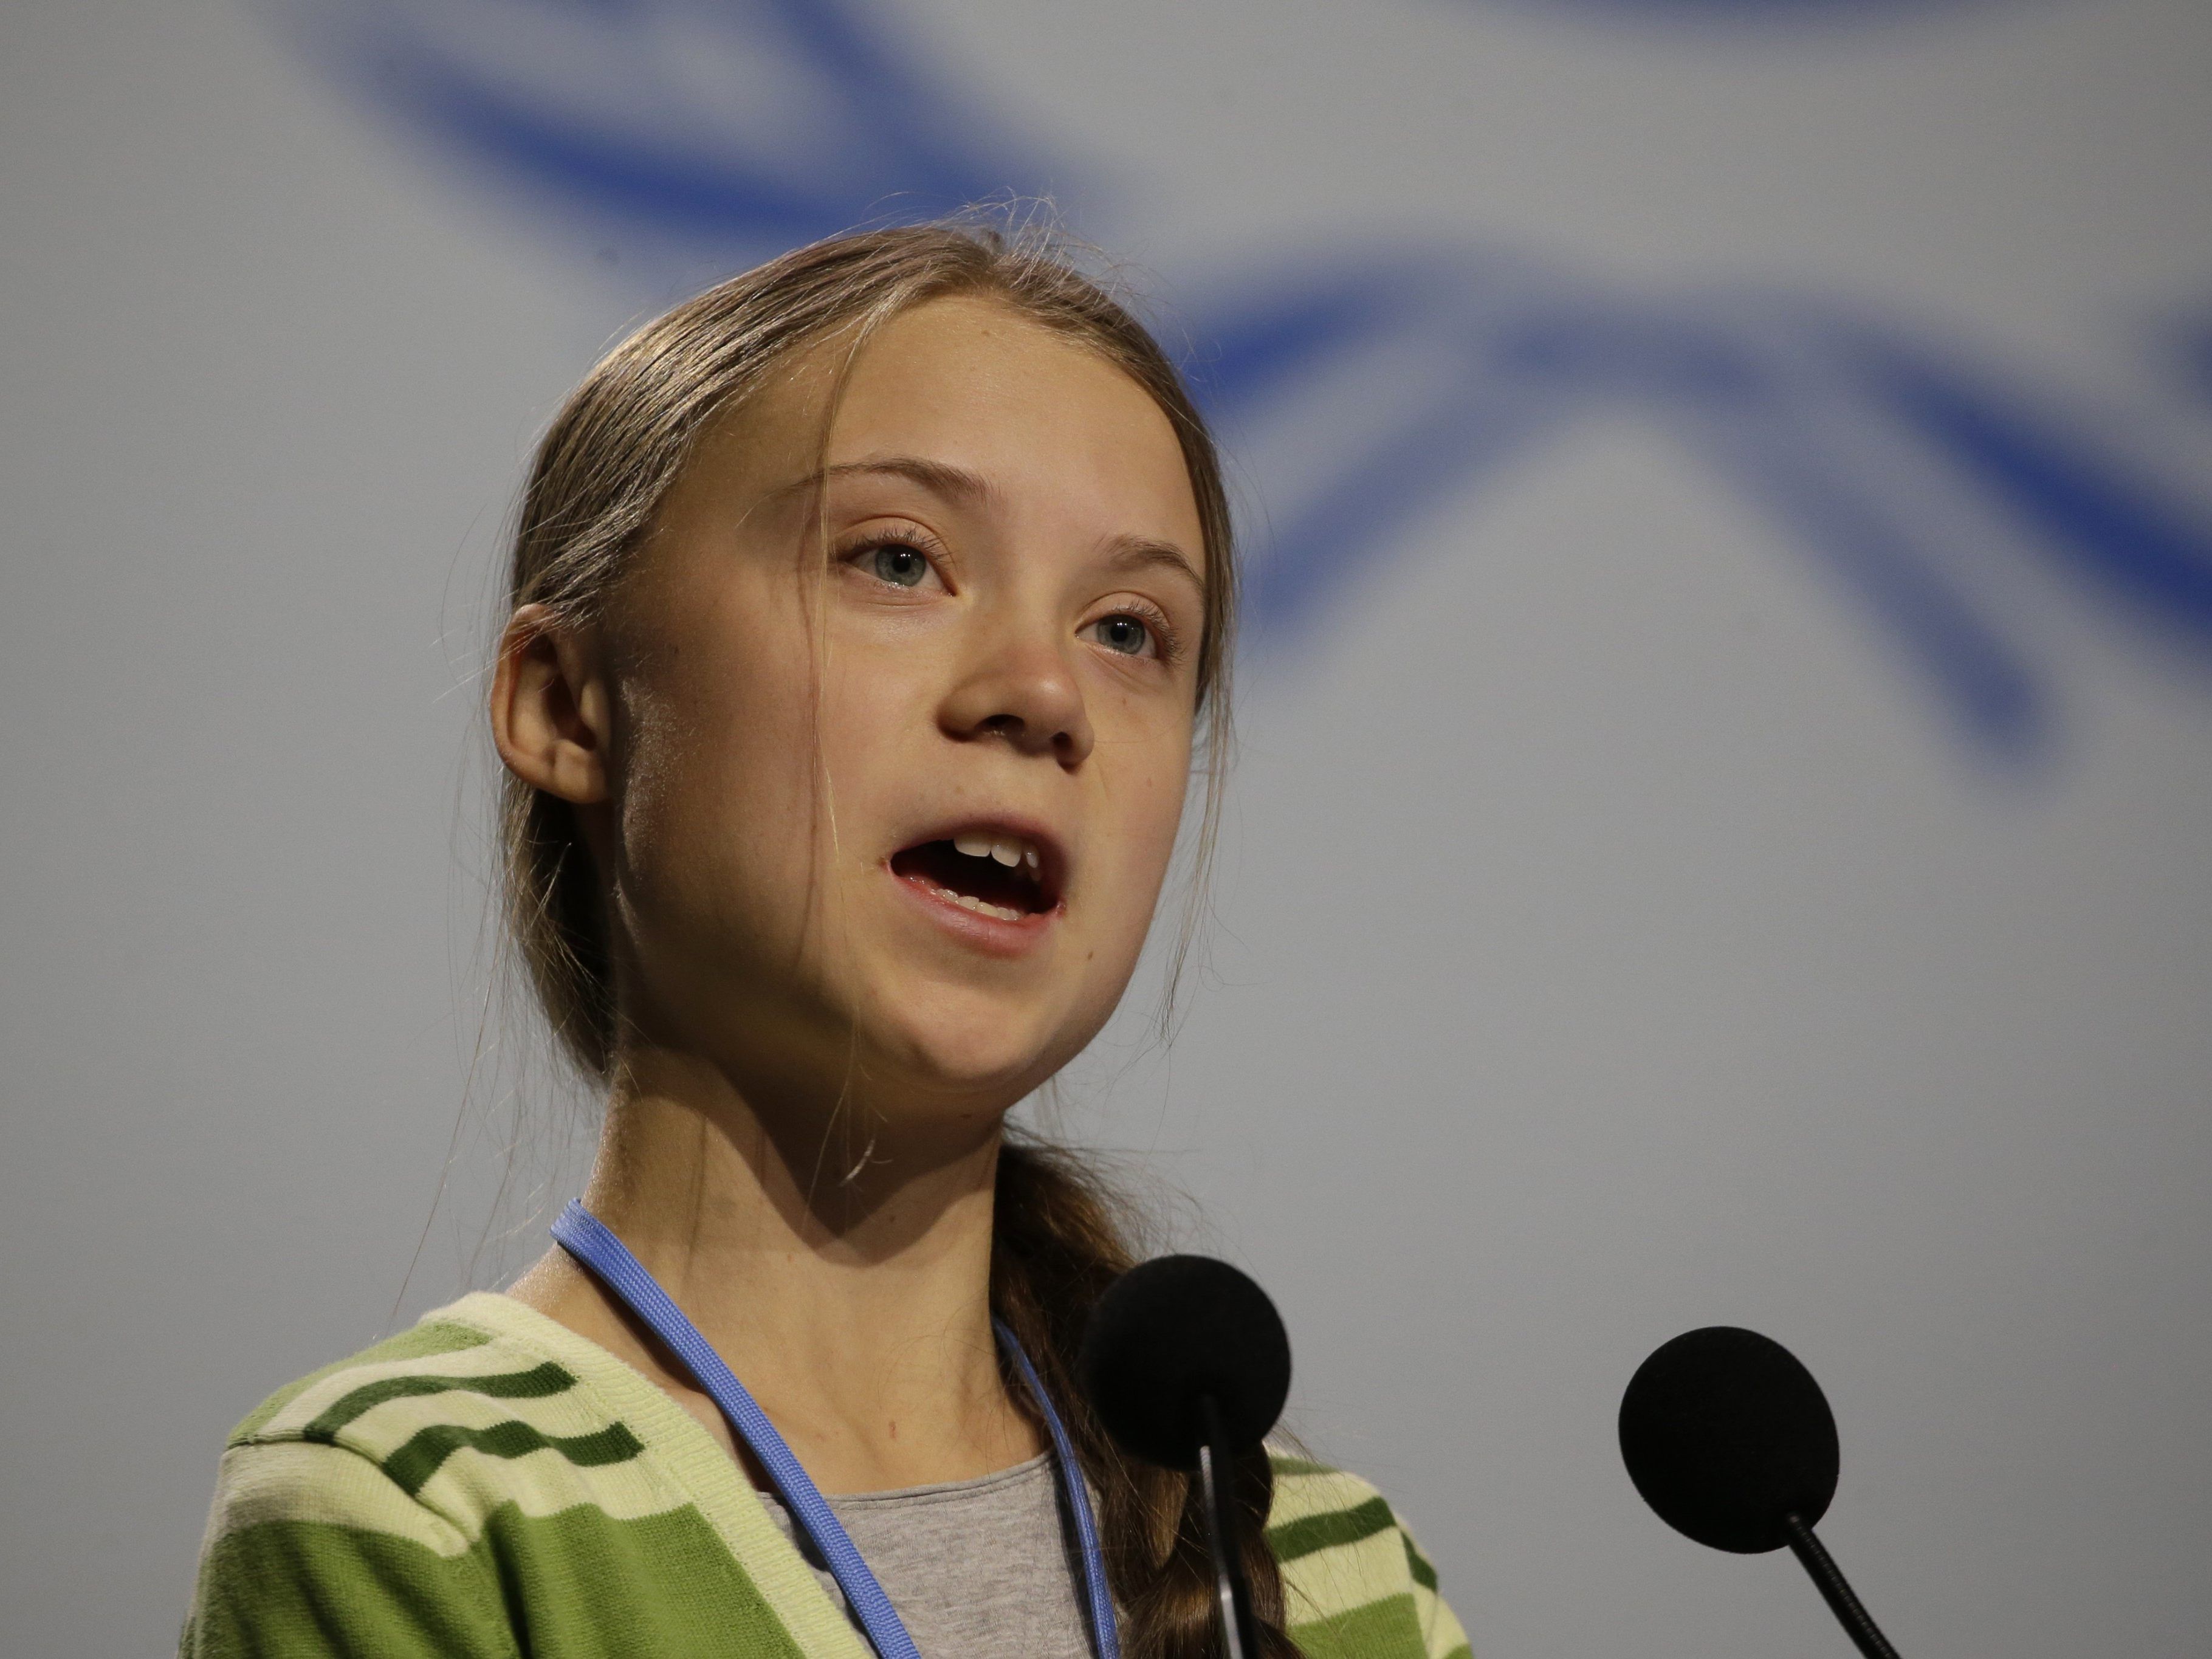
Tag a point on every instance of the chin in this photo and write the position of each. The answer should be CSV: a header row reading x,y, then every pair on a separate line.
x,y
974,1048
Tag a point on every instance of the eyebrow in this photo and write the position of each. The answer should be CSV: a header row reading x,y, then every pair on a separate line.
x,y
1146,553
939,478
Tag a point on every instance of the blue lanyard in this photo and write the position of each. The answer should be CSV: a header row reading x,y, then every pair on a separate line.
x,y
585,1237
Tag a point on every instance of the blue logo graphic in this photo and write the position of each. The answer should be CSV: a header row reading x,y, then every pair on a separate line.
x,y
1927,479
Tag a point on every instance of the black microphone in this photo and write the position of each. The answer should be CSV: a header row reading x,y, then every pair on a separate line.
x,y
1732,1441
1187,1363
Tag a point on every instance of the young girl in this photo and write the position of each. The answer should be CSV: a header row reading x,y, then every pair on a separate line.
x,y
864,608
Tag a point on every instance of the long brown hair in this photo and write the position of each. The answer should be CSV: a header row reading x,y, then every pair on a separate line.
x,y
1062,1232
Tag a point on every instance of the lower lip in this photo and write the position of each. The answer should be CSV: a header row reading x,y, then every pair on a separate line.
x,y
987,933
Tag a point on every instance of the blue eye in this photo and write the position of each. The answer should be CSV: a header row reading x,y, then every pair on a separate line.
x,y
898,564
1124,634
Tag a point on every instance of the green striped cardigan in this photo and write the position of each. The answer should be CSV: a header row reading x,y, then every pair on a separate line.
x,y
491,1483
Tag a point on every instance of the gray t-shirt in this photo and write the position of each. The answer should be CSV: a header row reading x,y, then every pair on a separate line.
x,y
982,1569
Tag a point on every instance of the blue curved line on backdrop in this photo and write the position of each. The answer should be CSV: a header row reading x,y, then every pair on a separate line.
x,y
903,137
2141,545
1987,683
1257,346
1805,412
630,181
1536,358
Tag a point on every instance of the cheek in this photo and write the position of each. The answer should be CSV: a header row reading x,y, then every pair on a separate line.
x,y
1148,804
877,715
717,774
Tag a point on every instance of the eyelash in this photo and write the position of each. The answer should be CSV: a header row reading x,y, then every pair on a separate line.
x,y
1163,631
876,540
1155,620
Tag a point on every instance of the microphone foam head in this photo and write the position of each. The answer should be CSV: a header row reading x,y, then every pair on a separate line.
x,y
1725,1434
1171,1331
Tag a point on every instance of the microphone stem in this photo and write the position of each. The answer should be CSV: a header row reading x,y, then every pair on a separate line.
x,y
1217,1476
1835,1589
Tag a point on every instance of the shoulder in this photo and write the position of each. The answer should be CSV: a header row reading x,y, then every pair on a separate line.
x,y
401,1495
1355,1584
447,1418
320,1540
422,1460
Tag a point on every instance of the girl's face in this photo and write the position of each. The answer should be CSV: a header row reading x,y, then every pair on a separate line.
x,y
887,821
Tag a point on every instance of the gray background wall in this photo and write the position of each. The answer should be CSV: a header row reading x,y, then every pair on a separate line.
x,y
1621,928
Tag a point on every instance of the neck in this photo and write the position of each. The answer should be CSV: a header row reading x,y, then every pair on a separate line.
x,y
847,1284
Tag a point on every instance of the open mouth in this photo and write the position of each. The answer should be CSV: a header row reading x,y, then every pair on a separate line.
x,y
1005,877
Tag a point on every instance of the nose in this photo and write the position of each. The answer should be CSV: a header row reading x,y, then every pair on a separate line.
x,y
1023,693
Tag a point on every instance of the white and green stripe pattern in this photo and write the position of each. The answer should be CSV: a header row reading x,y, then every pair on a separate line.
x,y
491,1483
1355,1582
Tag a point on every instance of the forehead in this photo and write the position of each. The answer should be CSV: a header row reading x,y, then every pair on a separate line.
x,y
970,383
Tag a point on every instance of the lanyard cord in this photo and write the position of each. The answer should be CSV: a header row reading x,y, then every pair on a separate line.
x,y
1105,1633
609,1260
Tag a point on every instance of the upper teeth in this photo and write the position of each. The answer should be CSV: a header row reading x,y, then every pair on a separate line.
x,y
1008,850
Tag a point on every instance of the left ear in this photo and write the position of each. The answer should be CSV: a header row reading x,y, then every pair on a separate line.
x,y
550,707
